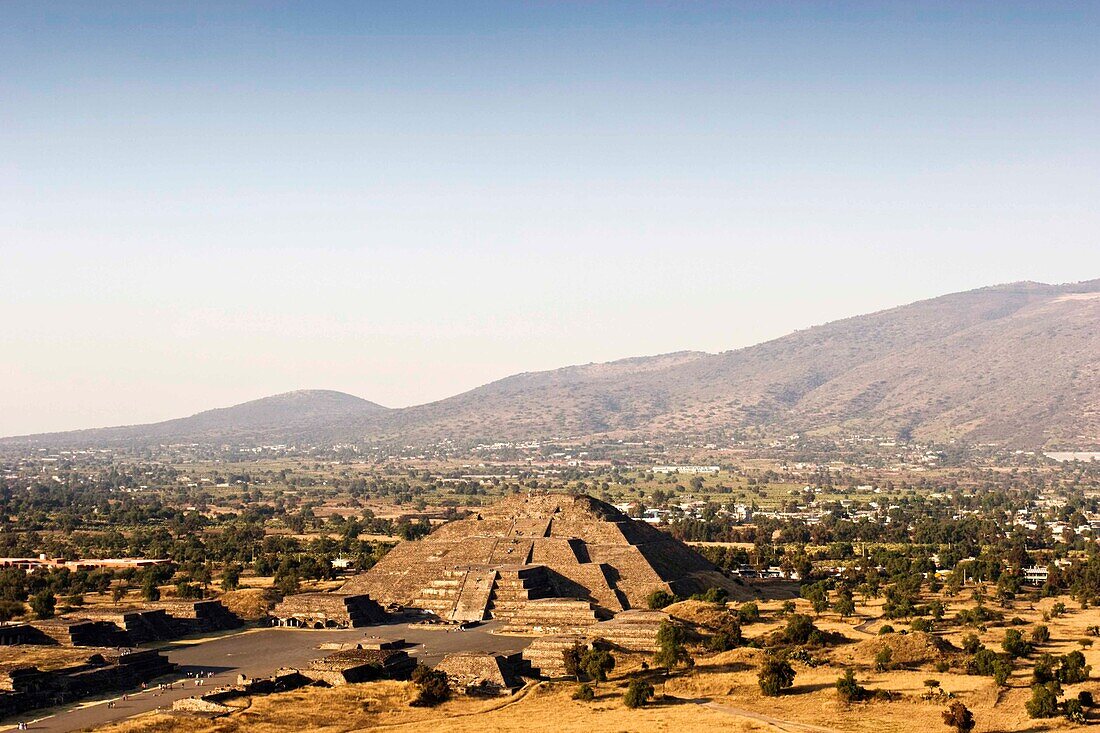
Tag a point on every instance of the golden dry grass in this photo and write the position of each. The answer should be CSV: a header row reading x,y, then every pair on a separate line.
x,y
728,681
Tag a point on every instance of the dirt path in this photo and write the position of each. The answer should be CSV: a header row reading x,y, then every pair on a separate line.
x,y
784,725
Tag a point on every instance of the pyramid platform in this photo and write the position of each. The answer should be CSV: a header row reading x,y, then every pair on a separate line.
x,y
510,561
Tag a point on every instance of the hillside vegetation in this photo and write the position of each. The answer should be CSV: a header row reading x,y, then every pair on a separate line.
x,y
1017,365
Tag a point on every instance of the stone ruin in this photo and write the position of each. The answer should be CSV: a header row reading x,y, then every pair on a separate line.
x,y
361,665
347,666
633,631
545,563
25,688
327,611
479,673
127,626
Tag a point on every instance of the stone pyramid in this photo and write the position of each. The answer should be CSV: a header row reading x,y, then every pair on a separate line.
x,y
558,561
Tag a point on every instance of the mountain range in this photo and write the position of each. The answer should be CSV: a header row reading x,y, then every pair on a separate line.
x,y
1016,365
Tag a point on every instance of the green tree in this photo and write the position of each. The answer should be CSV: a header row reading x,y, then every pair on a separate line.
x,y
596,663
671,651
43,604
1044,701
848,689
659,599
150,591
776,675
434,686
638,692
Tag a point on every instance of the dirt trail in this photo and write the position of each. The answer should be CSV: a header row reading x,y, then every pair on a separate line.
x,y
784,725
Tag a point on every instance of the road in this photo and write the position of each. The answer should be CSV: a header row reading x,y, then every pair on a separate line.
x,y
258,653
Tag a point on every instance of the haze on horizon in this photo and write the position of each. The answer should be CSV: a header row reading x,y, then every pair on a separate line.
x,y
201,204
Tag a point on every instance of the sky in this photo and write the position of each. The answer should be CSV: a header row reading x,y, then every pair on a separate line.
x,y
206,203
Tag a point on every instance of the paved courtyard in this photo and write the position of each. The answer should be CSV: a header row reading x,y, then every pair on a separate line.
x,y
258,653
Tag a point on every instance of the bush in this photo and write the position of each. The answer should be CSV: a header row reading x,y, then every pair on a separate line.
x,y
749,613
982,662
43,604
1040,634
957,716
671,651
1014,644
434,686
886,629
1073,668
800,629
921,624
596,663
638,692
883,659
1043,702
971,644
1074,711
848,689
776,675
1085,698
658,599
585,693
571,658
713,595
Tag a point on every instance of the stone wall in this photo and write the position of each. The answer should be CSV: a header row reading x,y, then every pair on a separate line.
x,y
328,611
27,688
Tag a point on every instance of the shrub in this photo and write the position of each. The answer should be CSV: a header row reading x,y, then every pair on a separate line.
x,y
921,624
749,613
971,643
671,651
943,666
883,659
776,675
571,658
43,604
1073,668
1040,634
848,689
584,692
1014,644
800,629
659,599
1085,698
713,595
982,662
596,663
638,692
1074,711
960,718
434,686
886,629
1043,702
1002,670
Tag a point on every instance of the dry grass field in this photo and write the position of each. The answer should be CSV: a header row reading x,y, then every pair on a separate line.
x,y
719,693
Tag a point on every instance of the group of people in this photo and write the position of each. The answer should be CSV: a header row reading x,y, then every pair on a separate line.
x,y
199,676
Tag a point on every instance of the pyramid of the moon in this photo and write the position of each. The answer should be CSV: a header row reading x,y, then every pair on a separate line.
x,y
498,562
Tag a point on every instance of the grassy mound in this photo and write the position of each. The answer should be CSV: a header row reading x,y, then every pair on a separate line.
x,y
913,648
251,604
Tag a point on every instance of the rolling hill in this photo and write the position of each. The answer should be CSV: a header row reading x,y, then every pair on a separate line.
x,y
1015,364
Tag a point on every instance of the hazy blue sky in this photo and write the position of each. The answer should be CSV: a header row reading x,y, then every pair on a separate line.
x,y
206,203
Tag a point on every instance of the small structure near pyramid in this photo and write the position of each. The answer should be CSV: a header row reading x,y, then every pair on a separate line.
x,y
546,563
